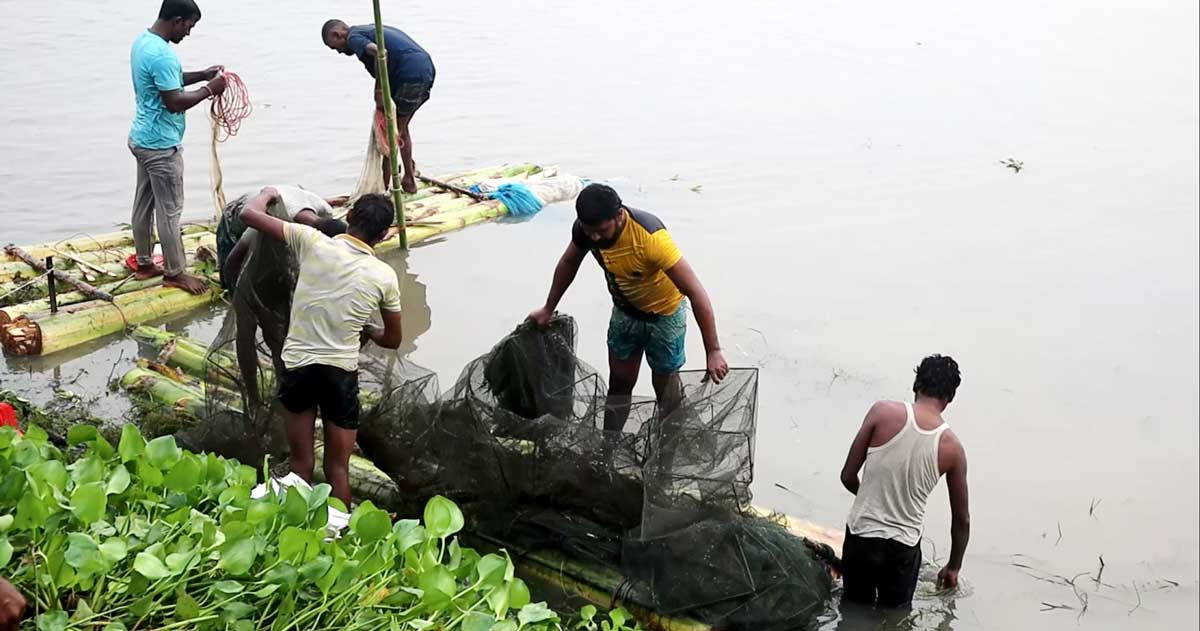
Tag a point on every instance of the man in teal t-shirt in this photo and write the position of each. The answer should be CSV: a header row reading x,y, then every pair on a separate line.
x,y
156,136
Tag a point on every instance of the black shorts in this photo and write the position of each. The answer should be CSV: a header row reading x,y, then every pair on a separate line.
x,y
879,571
331,390
409,97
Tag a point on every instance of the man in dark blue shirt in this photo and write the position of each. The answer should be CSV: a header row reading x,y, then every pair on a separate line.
x,y
410,75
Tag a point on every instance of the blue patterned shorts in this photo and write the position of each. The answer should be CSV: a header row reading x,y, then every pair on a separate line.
x,y
662,338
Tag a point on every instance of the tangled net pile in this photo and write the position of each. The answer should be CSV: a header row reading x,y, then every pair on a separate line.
x,y
518,444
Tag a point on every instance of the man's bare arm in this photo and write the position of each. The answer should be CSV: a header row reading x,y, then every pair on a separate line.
x,y
858,451
564,274
390,335
960,514
689,285
254,214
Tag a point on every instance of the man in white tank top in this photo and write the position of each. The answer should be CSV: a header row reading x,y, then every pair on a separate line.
x,y
902,450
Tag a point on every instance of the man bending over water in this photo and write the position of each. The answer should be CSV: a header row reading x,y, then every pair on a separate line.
x,y
341,285
903,449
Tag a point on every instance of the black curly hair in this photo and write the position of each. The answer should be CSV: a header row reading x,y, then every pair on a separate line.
x,y
937,377
371,216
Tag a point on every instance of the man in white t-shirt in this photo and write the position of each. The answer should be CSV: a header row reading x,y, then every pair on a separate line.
x,y
340,287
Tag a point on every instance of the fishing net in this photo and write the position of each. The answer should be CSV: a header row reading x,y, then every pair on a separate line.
x,y
518,442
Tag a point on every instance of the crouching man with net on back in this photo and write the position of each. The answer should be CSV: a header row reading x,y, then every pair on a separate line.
x,y
649,280
340,287
264,301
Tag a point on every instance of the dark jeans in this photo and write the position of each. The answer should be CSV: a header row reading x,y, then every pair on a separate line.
x,y
879,572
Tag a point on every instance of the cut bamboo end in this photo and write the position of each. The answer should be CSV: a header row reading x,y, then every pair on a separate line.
x,y
21,337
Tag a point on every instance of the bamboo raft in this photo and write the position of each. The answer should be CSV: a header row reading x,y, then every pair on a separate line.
x,y
185,374
27,326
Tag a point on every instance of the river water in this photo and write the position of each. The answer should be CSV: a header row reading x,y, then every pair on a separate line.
x,y
832,171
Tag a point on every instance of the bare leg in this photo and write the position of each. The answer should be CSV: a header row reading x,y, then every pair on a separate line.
x,y
409,180
622,377
668,391
247,353
339,444
299,429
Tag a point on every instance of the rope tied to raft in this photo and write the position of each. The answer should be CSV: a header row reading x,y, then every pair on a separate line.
x,y
226,115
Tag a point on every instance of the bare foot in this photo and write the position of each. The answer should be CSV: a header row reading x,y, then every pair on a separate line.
x,y
408,184
144,272
187,283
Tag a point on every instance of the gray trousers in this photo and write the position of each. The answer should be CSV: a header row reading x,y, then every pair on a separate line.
x,y
158,198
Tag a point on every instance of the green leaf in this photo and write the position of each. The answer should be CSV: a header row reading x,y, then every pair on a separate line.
x,y
265,591
236,610
491,569
114,550
373,526
81,434
316,568
88,502
258,511
518,594
228,587
534,613
87,469
6,522
442,517
186,607
438,587
295,509
498,600
178,562
185,475
408,533
36,435
31,513
81,550
52,621
132,445
587,612
52,473
118,482
618,617
505,625
163,452
149,475
6,552
292,542
318,497
237,556
475,621
283,575
150,566
115,626
246,475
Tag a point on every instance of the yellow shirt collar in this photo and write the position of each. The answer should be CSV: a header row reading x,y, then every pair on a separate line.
x,y
356,244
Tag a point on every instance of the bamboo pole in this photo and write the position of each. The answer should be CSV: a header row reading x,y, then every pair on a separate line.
x,y
45,335
455,189
389,115
79,285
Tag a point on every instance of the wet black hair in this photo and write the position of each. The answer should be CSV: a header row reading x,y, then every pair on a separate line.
x,y
172,9
330,227
937,377
596,204
372,214
328,27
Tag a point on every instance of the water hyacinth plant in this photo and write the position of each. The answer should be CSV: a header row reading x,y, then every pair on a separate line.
x,y
146,535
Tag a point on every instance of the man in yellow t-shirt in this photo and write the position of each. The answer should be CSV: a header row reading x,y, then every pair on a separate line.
x,y
648,279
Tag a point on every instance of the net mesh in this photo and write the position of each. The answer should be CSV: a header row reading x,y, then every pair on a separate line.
x,y
518,442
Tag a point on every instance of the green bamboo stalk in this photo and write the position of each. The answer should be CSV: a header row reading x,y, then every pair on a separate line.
x,y
389,114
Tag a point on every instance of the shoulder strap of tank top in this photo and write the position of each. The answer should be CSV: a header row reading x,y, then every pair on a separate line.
x,y
910,416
